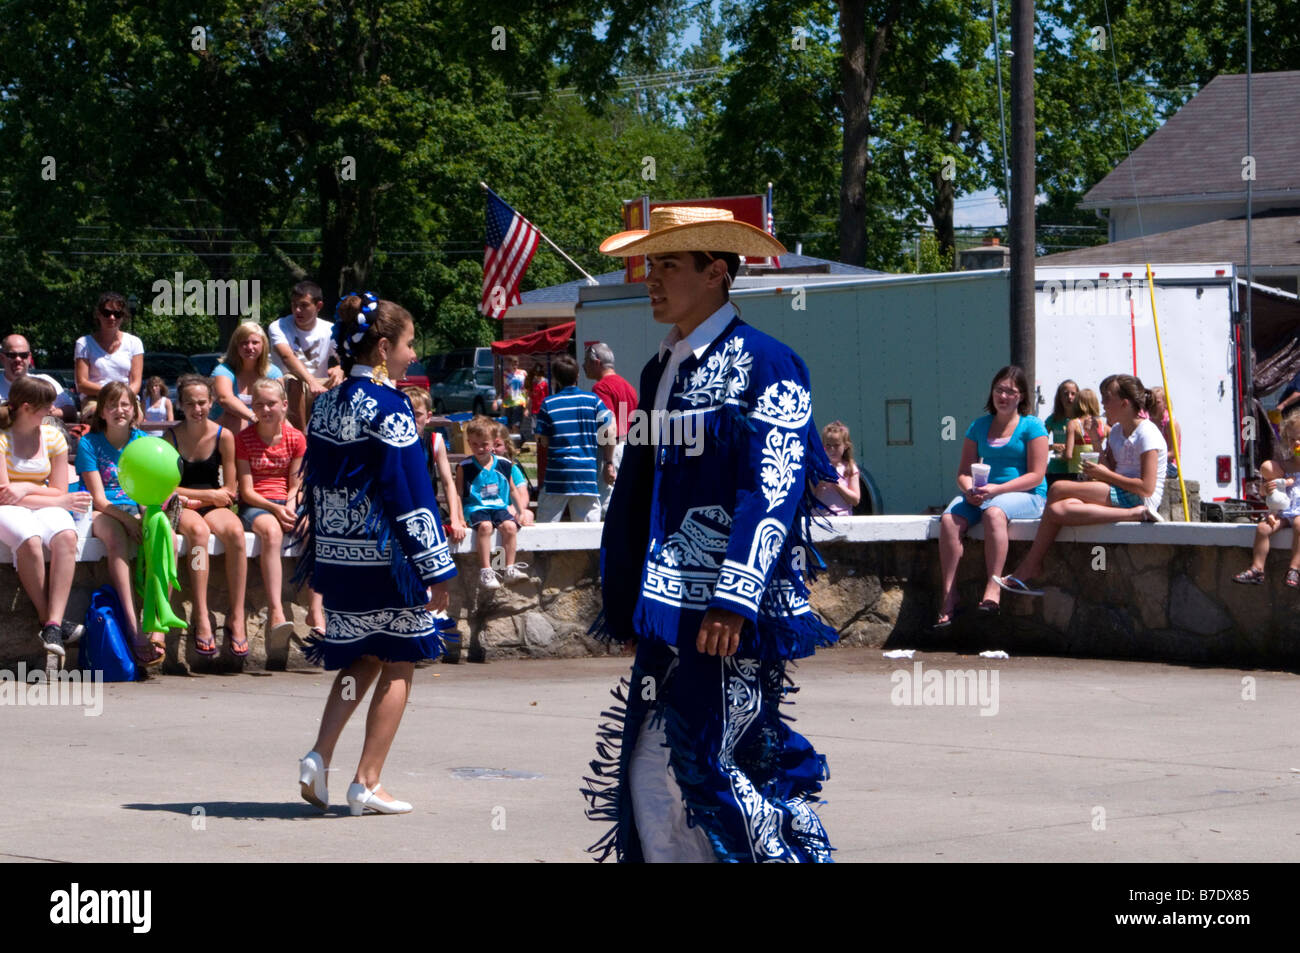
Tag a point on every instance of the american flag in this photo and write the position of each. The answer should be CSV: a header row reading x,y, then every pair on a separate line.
x,y
511,242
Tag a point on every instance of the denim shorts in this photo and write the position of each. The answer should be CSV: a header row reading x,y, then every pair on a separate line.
x,y
495,516
249,513
1125,499
1016,506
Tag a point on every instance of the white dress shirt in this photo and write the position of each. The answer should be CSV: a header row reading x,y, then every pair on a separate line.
x,y
694,343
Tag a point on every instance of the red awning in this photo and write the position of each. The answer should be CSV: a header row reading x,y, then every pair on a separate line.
x,y
546,341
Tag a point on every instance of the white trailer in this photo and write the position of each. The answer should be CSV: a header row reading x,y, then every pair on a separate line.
x,y
1096,321
905,360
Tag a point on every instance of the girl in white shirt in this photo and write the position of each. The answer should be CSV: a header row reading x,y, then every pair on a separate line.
x,y
35,505
1126,484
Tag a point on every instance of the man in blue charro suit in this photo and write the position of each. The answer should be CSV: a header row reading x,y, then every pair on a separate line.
x,y
702,566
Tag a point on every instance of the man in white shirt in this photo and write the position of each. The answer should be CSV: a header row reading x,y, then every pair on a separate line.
x,y
18,362
301,347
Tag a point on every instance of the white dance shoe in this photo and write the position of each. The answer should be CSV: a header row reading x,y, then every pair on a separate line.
x,y
362,800
311,780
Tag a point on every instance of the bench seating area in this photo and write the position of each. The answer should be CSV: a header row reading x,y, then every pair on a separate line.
x,y
561,537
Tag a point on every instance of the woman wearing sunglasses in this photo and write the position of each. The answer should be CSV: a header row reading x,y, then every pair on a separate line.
x,y
109,353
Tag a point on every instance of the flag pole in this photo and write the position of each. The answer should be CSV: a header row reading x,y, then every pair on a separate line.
x,y
590,280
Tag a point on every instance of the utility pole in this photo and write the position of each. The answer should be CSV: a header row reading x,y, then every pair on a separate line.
x,y
1023,187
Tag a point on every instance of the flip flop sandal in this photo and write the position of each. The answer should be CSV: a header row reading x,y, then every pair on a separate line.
x,y
239,649
1250,577
205,647
989,607
945,620
138,648
1293,578
1012,584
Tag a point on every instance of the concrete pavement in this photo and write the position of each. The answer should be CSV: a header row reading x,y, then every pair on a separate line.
x,y
1084,760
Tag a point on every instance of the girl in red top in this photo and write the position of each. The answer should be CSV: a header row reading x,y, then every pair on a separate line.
x,y
268,462
538,387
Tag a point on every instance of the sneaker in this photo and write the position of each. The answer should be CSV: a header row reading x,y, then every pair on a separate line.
x,y
72,632
487,578
52,636
515,573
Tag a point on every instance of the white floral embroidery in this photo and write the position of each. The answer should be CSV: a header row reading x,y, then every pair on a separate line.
x,y
420,525
762,817
351,626
724,375
340,422
782,456
785,404
398,429
769,535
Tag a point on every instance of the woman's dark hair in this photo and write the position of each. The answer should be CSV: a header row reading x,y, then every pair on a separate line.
x,y
1129,388
387,320
35,391
1016,373
110,394
1059,410
110,297
192,380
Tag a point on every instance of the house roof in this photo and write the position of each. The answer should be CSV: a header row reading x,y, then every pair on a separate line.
x,y
568,292
1197,153
1274,241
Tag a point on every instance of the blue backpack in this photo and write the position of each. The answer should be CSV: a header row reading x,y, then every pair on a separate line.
x,y
104,645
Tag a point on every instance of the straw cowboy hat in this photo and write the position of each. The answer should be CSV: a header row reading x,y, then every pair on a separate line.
x,y
682,228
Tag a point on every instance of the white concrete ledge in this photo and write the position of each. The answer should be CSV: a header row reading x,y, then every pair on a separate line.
x,y
562,537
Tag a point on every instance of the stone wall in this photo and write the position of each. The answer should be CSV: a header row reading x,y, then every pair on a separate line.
x,y
1132,591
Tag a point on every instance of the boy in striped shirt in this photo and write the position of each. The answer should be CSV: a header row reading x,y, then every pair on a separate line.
x,y
570,448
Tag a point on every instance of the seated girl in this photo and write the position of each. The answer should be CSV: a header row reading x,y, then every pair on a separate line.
x,y
208,488
247,360
1279,476
436,461
34,505
839,498
117,517
268,460
1086,433
157,405
1126,484
1013,446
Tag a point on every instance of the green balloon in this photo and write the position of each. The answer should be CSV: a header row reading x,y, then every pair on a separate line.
x,y
149,470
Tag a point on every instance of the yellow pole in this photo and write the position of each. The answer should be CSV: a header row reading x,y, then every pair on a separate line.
x,y
1169,398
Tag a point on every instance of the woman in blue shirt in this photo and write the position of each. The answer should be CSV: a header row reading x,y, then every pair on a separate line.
x,y
117,516
1014,445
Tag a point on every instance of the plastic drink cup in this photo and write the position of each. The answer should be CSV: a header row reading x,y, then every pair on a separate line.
x,y
1090,457
979,473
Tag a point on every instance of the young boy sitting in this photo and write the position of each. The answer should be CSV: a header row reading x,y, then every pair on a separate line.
x,y
301,348
435,460
488,484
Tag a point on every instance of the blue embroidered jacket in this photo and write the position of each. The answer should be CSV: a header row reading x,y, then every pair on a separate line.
x,y
374,535
722,521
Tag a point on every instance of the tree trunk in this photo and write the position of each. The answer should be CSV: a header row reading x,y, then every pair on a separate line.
x,y
860,70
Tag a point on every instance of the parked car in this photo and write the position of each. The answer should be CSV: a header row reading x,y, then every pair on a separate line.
x,y
441,366
169,366
207,362
466,389
416,376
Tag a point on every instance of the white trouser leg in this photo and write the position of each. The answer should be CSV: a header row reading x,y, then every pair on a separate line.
x,y
657,805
